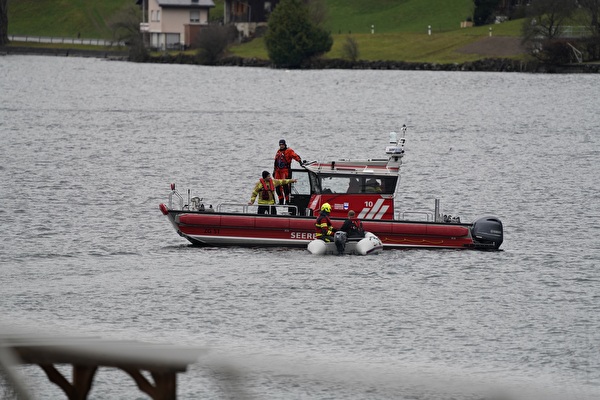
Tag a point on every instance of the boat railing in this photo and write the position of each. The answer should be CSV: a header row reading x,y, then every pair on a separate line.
x,y
423,214
175,193
283,209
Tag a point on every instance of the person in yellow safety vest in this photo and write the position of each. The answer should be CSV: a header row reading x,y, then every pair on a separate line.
x,y
323,225
264,190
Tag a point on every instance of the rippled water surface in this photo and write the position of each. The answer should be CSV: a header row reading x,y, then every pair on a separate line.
x,y
89,148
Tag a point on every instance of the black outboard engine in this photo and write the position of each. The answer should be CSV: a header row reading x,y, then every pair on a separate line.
x,y
487,232
340,241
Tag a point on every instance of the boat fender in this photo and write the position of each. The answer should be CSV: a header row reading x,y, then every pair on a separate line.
x,y
317,247
163,209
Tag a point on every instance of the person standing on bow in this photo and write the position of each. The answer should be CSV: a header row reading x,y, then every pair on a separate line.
x,y
352,226
283,169
265,191
323,224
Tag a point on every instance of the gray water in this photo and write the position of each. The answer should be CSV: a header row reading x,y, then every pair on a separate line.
x,y
89,148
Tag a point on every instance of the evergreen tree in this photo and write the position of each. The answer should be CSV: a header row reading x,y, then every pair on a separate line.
x,y
3,22
292,37
484,11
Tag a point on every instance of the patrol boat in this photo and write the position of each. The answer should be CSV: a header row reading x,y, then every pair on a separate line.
x,y
368,186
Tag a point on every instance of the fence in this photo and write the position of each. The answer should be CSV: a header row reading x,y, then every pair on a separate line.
x,y
63,40
575,31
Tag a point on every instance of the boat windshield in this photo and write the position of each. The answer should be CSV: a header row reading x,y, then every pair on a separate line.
x,y
305,183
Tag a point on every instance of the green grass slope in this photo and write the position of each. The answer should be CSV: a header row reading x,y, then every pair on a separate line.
x,y
357,16
62,18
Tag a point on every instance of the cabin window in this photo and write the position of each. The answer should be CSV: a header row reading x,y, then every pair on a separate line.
x,y
195,16
357,184
334,184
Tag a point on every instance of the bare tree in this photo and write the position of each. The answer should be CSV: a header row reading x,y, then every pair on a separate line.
x,y
545,19
3,22
350,49
126,28
591,10
318,12
543,29
591,16
213,42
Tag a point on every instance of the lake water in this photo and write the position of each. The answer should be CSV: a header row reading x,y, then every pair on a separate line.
x,y
89,147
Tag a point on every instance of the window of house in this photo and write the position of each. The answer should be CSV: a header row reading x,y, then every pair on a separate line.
x,y
173,40
158,16
195,16
152,16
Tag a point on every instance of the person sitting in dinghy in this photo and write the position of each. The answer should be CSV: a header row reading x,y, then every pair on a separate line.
x,y
323,225
264,190
353,227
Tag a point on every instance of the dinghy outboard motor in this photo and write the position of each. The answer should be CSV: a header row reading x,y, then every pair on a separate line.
x,y
340,241
487,232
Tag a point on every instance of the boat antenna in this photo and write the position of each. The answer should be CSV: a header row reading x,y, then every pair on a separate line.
x,y
396,145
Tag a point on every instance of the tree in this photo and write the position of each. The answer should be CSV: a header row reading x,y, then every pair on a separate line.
x,y
546,18
318,12
484,11
3,22
350,49
292,37
126,28
591,18
213,42
544,26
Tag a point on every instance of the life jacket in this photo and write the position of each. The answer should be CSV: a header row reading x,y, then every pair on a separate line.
x,y
281,161
268,187
356,229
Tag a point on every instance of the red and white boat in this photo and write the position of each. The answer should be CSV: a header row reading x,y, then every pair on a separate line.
x,y
368,187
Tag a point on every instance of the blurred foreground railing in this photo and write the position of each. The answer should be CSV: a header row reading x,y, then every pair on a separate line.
x,y
86,355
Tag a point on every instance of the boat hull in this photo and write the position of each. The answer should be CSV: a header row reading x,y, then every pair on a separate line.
x,y
254,230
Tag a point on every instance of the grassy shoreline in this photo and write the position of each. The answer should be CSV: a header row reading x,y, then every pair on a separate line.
x,y
401,29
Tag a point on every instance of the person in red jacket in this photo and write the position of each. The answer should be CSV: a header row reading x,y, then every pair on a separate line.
x,y
283,169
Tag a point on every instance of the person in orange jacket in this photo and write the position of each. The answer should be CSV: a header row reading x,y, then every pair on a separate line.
x,y
283,169
264,190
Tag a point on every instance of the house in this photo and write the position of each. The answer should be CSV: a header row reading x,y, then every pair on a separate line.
x,y
173,23
248,15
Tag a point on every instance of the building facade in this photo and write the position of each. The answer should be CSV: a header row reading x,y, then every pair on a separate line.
x,y
173,24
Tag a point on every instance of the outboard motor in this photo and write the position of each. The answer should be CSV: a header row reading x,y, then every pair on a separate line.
x,y
487,232
339,238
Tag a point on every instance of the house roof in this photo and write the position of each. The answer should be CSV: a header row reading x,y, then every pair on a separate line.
x,y
186,3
